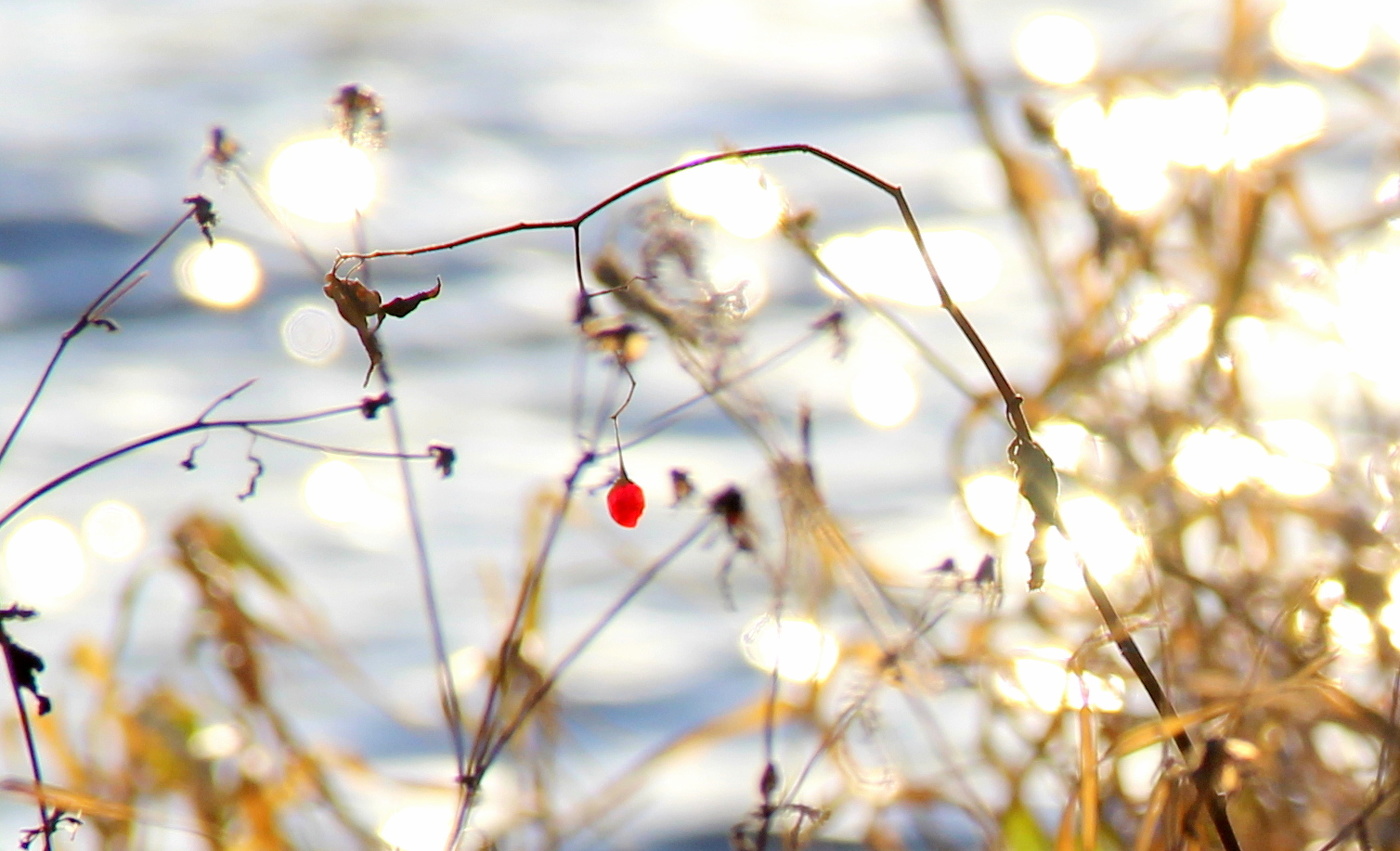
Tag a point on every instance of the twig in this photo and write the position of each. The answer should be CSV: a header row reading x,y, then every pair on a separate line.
x,y
253,426
90,315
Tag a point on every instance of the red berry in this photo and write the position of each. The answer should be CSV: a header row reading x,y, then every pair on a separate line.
x,y
626,502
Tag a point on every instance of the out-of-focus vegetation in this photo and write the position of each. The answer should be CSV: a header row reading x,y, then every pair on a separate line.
x,y
1206,656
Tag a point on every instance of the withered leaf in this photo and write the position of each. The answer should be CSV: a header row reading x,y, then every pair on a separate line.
x,y
1040,485
370,405
356,303
1038,555
443,458
1037,479
204,216
25,666
401,307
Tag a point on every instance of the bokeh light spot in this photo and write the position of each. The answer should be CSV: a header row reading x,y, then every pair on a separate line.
x,y
1132,144
883,393
1299,460
336,491
1350,630
740,282
224,275
1065,441
737,196
1041,681
966,260
323,179
1332,34
1216,461
312,334
1108,545
885,263
1367,303
216,741
1056,49
1267,120
994,502
114,530
44,563
797,649
418,827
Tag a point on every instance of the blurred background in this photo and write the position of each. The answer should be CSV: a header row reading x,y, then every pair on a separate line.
x,y
1105,211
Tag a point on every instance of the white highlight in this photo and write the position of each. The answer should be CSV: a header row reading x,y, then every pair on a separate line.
x,y
799,650
224,275
1057,49
323,179
43,563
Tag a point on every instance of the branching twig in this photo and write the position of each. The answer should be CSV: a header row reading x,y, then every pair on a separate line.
x,y
92,314
200,425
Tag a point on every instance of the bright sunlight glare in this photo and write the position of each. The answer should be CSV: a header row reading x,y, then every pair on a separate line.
x,y
1132,144
1041,681
966,260
1216,461
44,564
884,263
737,196
994,502
799,650
324,179
1197,123
740,280
113,530
1267,120
337,492
1350,630
1367,303
1124,146
1331,34
312,334
1108,545
419,827
1056,49
224,275
220,740
883,393
1389,615
1066,442
1329,594
1299,460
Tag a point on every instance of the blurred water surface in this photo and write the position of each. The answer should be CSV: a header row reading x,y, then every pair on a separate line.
x,y
496,113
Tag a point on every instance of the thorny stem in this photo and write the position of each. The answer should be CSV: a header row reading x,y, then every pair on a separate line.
x,y
89,315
